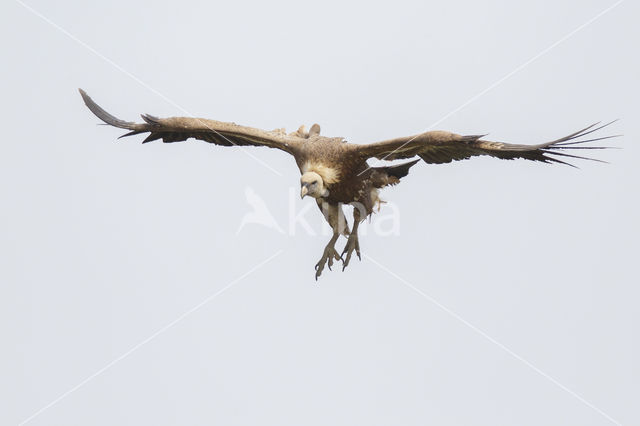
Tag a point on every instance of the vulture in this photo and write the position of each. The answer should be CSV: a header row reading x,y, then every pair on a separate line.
x,y
336,173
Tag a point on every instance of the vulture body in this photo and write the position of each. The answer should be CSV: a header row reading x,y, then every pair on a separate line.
x,y
335,172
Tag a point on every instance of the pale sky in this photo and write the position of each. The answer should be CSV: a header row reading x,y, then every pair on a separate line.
x,y
507,296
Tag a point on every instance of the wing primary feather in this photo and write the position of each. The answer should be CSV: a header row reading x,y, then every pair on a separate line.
x,y
599,127
150,118
547,159
104,115
583,147
152,137
583,132
131,133
572,135
585,141
562,154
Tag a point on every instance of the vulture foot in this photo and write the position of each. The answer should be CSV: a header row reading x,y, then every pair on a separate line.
x,y
327,258
352,244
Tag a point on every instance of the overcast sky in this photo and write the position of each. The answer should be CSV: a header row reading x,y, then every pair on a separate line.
x,y
508,294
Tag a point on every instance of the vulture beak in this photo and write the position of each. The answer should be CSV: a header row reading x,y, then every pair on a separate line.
x,y
303,191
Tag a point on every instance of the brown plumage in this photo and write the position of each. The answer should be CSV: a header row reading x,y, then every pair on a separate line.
x,y
335,172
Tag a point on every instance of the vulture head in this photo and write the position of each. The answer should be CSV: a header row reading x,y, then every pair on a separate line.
x,y
311,184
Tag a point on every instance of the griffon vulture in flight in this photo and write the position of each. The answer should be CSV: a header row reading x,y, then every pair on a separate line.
x,y
335,172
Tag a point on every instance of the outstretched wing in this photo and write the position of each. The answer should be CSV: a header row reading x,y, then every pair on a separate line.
x,y
175,129
438,147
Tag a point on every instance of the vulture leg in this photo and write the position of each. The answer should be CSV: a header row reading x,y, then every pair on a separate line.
x,y
352,242
328,255
335,217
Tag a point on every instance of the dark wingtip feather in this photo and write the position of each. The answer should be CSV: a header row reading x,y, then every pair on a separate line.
x,y
555,160
134,132
152,137
573,142
556,145
584,147
150,118
584,133
580,157
574,135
